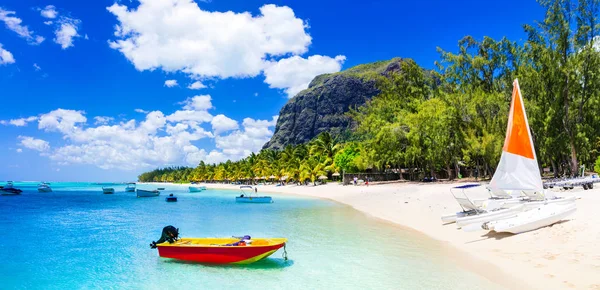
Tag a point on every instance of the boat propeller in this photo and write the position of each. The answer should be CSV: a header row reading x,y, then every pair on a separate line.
x,y
169,234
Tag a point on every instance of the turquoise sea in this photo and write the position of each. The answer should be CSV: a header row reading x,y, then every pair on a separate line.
x,y
78,238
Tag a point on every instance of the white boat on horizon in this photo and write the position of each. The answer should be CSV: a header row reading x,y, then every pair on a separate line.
x,y
44,187
518,171
147,193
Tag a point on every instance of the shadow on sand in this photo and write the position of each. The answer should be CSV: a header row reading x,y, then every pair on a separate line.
x,y
500,236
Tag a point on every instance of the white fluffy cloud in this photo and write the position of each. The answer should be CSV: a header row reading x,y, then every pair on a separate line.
x,y
35,144
157,140
61,120
102,120
49,12
177,35
37,67
170,83
22,121
14,23
220,123
141,111
251,138
196,85
293,74
198,103
66,31
5,56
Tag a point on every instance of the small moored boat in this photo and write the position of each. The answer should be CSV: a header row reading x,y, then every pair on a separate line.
x,y
244,250
108,190
171,198
251,196
44,187
197,188
9,189
147,193
160,188
130,187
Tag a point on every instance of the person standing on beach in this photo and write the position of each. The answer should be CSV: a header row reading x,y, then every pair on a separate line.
x,y
355,180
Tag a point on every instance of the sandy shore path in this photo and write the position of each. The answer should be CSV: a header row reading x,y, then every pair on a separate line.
x,y
563,256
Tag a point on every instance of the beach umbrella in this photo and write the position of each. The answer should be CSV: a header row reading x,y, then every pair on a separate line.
x,y
272,176
284,177
336,174
263,177
322,177
256,178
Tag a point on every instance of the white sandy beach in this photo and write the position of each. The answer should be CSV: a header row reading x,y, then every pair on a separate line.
x,y
563,256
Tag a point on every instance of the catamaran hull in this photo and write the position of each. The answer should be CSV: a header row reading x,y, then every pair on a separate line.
x,y
451,218
534,219
489,216
508,203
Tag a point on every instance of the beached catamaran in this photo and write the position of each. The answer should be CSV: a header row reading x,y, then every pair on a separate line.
x,y
517,171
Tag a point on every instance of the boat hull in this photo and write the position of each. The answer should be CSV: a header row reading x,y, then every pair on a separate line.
x,y
108,191
129,189
147,193
10,191
196,189
489,216
471,217
44,190
258,199
534,219
214,254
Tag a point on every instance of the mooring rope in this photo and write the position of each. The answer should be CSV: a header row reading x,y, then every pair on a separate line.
x,y
285,257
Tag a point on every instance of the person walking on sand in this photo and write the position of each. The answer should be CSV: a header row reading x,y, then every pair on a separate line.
x,y
355,180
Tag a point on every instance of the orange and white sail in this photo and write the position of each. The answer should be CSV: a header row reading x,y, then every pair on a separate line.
x,y
518,168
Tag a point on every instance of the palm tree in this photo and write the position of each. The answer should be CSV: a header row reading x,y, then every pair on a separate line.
x,y
325,145
312,168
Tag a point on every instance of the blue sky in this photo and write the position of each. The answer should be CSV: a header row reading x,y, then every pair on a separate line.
x,y
98,90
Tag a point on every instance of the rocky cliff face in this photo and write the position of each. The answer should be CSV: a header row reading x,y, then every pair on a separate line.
x,y
323,106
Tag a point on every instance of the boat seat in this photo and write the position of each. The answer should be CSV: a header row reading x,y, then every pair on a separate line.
x,y
500,194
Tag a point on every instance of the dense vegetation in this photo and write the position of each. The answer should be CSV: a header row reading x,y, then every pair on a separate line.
x,y
443,121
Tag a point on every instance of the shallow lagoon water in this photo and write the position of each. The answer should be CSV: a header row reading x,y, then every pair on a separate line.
x,y
76,237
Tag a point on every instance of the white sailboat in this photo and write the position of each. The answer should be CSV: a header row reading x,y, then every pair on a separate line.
x,y
518,171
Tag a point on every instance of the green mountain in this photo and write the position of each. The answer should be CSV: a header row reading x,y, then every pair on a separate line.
x,y
323,105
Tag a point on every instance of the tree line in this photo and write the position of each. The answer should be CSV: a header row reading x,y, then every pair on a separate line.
x,y
442,121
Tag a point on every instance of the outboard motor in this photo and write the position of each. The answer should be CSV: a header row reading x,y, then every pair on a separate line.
x,y
169,234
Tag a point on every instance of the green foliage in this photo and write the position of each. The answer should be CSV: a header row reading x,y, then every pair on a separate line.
x,y
456,116
345,158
